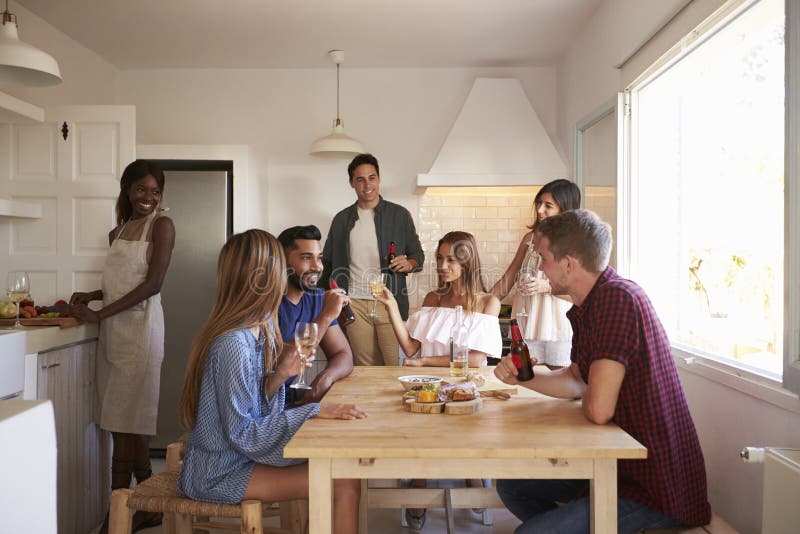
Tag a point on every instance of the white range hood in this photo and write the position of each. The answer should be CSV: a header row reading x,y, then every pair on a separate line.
x,y
496,140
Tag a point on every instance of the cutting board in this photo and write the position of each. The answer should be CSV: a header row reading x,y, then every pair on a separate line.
x,y
463,407
450,408
63,322
424,407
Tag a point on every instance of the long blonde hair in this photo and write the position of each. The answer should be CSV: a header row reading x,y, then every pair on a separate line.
x,y
251,279
466,252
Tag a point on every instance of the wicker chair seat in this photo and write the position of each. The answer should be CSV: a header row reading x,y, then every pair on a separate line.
x,y
159,493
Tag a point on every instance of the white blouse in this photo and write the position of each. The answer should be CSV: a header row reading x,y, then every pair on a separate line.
x,y
431,326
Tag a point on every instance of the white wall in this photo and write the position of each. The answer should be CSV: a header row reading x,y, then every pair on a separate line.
x,y
727,419
88,78
401,115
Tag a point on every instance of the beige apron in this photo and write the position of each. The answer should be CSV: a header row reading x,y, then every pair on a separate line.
x,y
131,343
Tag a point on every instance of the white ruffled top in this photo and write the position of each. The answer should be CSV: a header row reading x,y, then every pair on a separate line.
x,y
431,326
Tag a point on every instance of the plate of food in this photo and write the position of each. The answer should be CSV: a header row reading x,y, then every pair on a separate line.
x,y
415,382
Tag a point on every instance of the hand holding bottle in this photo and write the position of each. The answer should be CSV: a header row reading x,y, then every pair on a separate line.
x,y
336,303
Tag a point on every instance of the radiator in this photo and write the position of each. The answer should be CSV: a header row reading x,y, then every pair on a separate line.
x,y
781,513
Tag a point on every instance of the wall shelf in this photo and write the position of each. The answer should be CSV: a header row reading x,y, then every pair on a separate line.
x,y
12,208
16,111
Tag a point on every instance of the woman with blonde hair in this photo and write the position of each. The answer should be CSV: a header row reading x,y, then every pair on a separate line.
x,y
426,335
233,394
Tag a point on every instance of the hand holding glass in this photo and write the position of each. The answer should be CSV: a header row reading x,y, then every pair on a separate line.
x,y
17,288
305,337
376,284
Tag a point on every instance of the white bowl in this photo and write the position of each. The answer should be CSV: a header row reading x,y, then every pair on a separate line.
x,y
409,381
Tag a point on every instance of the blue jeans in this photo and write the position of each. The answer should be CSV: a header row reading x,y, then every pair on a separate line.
x,y
534,503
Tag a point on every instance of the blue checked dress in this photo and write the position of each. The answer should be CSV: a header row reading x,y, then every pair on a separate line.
x,y
237,426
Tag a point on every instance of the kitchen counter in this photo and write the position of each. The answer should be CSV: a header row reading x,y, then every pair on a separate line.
x,y
46,338
28,464
60,368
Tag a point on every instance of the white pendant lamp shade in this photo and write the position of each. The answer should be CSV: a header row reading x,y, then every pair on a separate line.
x,y
337,144
21,63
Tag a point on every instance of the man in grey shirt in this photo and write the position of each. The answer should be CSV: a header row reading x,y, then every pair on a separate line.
x,y
356,249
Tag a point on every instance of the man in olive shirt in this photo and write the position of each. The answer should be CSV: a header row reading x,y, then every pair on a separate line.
x,y
357,246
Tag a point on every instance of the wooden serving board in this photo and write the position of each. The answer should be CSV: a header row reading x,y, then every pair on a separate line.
x,y
63,322
450,408
424,407
463,407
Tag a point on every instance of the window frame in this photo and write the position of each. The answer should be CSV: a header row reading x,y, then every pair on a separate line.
x,y
726,371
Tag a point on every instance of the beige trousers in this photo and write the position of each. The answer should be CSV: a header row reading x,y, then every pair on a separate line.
x,y
371,338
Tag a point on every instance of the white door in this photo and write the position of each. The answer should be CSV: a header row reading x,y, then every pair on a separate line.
x,y
70,164
596,165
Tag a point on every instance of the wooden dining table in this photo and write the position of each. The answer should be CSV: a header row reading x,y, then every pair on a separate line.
x,y
529,436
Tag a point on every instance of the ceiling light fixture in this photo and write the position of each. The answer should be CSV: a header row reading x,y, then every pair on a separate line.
x,y
21,63
338,143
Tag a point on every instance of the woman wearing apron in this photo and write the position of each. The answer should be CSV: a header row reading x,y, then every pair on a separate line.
x,y
542,316
131,342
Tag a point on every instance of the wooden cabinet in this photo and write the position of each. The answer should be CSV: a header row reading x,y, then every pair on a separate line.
x,y
66,377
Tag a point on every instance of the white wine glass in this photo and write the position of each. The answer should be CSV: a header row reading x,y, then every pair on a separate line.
x,y
305,337
529,271
525,276
376,284
18,287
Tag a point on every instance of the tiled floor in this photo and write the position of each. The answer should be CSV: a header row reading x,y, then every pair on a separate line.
x,y
388,521
466,522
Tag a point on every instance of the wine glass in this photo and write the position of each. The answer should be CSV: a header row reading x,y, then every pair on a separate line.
x,y
376,284
525,276
305,336
18,287
529,271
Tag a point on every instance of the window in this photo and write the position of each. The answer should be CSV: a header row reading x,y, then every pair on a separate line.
x,y
706,181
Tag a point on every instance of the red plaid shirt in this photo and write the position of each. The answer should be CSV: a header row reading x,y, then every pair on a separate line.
x,y
617,322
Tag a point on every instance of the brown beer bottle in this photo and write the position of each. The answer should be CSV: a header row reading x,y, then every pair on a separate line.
x,y
346,315
519,354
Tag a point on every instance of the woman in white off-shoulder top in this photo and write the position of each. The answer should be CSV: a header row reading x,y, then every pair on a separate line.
x,y
425,337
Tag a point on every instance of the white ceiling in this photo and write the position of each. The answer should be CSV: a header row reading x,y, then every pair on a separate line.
x,y
298,33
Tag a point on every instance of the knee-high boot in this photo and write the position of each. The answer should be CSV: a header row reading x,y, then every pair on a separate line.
x,y
122,462
142,470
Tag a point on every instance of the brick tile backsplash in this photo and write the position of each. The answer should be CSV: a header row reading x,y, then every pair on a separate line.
x,y
496,216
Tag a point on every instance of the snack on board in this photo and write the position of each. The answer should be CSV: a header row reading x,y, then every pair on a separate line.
x,y
463,391
476,378
427,393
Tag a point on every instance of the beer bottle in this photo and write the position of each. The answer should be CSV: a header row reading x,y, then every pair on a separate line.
x,y
519,354
346,315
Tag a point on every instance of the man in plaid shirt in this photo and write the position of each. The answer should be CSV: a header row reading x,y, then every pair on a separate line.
x,y
623,371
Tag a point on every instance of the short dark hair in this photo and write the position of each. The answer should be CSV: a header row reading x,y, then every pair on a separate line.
x,y
581,234
362,159
290,235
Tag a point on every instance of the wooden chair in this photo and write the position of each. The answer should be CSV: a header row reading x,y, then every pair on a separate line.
x,y
159,493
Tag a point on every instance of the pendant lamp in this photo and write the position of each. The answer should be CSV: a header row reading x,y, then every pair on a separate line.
x,y
21,63
338,143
